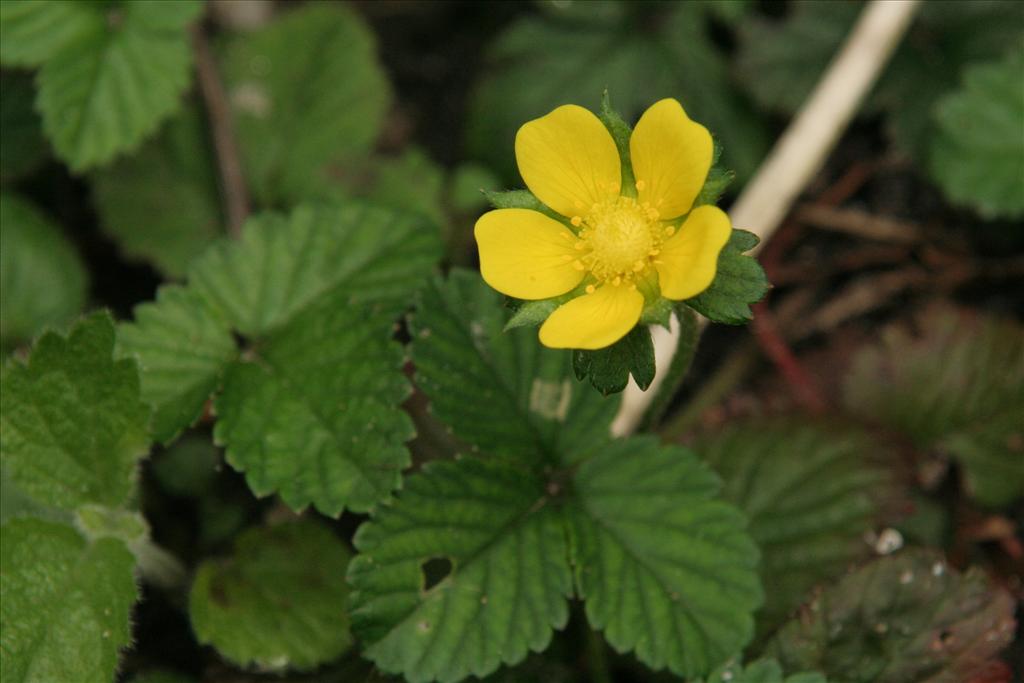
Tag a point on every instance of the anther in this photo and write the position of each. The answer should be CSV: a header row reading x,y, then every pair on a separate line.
x,y
638,266
576,220
578,265
654,252
591,289
580,245
640,185
669,231
617,281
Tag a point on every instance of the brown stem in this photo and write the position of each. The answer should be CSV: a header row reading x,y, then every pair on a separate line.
x,y
233,189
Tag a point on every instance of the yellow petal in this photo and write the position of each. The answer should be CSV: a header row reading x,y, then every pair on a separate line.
x,y
525,254
568,160
593,321
671,158
689,258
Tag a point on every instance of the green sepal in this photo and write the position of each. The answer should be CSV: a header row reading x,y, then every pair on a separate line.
x,y
718,180
532,313
657,312
620,132
609,368
739,282
521,199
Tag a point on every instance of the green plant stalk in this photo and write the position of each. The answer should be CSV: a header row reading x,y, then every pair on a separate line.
x,y
682,359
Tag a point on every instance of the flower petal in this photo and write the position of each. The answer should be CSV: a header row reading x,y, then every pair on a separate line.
x,y
671,158
525,254
689,258
593,321
568,160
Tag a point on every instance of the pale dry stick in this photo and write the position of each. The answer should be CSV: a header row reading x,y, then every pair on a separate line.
x,y
798,155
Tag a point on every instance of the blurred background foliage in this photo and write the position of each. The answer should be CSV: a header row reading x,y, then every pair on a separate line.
x,y
899,280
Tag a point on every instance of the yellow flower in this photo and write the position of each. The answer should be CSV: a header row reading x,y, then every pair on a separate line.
x,y
617,242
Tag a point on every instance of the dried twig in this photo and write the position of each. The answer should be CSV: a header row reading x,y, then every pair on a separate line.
x,y
233,189
859,224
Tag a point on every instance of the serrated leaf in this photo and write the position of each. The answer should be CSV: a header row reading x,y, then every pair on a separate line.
x,y
306,91
508,573
182,344
541,62
906,617
761,671
161,203
957,387
739,282
810,491
609,369
977,155
33,251
64,603
101,94
310,411
73,424
501,392
33,31
24,148
279,601
665,568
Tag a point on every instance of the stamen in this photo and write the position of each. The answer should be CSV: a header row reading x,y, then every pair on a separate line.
x,y
580,245
669,231
640,185
577,265
576,220
617,281
591,289
638,266
654,252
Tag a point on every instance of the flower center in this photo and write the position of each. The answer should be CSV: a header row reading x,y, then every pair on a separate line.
x,y
621,239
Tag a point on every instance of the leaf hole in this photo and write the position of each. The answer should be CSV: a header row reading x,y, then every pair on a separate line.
x,y
435,570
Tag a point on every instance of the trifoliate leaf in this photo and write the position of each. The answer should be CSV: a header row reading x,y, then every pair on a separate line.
x,y
64,603
310,411
977,155
279,601
42,279
73,425
609,368
665,568
33,31
501,392
104,92
467,571
182,344
906,617
810,493
956,387
24,147
639,52
739,282
306,91
161,204
761,671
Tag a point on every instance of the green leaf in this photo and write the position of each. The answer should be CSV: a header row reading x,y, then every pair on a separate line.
x,y
907,617
609,368
955,387
182,345
306,91
761,671
161,204
33,252
73,425
502,392
639,52
64,603
24,148
977,156
718,180
492,527
739,282
279,601
103,93
33,31
810,491
310,411
664,567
